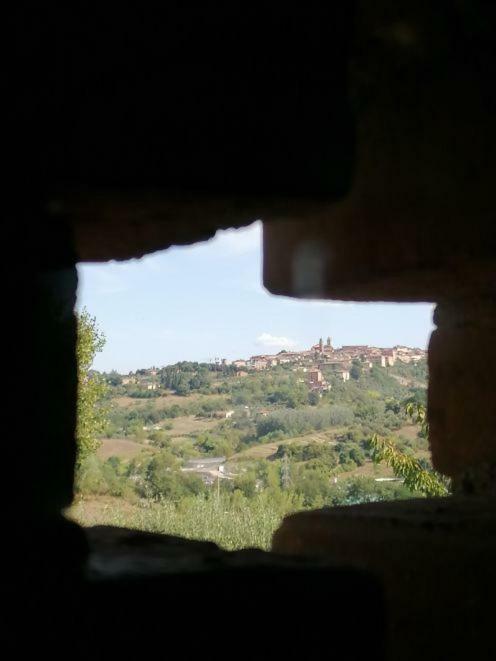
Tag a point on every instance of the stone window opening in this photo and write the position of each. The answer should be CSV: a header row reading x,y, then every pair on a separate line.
x,y
165,466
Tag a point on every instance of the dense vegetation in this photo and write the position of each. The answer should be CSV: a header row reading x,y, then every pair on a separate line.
x,y
282,447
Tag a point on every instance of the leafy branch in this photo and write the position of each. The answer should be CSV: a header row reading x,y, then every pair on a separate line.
x,y
410,469
414,475
418,414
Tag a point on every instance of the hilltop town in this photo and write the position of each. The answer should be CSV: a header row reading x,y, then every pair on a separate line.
x,y
311,362
340,360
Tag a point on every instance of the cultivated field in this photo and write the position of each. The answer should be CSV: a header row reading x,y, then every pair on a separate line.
x,y
122,448
190,424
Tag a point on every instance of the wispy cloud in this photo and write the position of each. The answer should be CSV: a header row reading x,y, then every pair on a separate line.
x,y
275,341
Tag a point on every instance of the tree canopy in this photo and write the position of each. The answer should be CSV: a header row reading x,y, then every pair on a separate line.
x,y
91,411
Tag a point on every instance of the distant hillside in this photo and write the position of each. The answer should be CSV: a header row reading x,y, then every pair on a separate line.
x,y
184,440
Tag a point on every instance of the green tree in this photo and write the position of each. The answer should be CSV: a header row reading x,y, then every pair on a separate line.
x,y
91,411
114,378
356,370
313,398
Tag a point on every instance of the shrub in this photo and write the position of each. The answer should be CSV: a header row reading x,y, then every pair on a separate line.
x,y
101,478
340,415
160,439
246,484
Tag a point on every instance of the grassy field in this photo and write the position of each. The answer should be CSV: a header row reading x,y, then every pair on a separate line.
x,y
408,431
122,448
251,524
170,398
190,424
265,450
165,400
125,402
182,428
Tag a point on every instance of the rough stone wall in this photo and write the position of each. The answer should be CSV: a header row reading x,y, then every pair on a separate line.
x,y
461,406
434,558
118,154
417,223
147,128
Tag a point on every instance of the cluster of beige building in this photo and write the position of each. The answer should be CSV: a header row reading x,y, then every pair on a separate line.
x,y
340,360
309,361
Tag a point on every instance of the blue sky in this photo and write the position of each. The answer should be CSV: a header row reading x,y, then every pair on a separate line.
x,y
206,301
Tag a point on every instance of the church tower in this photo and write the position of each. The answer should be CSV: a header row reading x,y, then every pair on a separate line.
x,y
321,345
